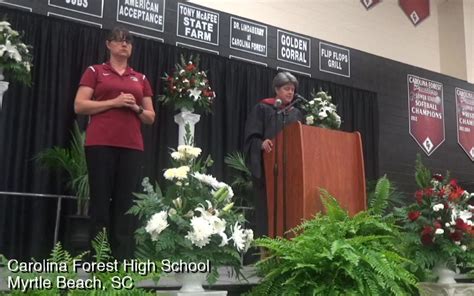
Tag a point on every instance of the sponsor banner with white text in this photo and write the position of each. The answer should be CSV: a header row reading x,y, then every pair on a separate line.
x,y
197,24
90,7
248,36
293,48
149,14
334,59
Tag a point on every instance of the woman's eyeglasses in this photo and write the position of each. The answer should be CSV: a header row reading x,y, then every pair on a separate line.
x,y
127,40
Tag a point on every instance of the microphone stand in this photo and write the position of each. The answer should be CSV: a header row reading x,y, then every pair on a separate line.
x,y
275,178
284,111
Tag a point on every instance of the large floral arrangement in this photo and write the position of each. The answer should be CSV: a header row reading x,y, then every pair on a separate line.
x,y
15,56
320,111
194,220
438,224
188,87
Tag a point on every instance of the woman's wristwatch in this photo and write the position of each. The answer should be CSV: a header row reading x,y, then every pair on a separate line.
x,y
140,110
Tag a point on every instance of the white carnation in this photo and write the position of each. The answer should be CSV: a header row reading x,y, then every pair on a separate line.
x,y
157,223
310,119
206,179
177,155
177,173
238,236
438,207
189,151
201,232
439,231
248,239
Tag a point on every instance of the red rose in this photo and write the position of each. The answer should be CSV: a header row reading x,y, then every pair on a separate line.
x,y
456,235
461,225
419,196
427,235
413,215
438,177
441,192
190,67
437,225
428,192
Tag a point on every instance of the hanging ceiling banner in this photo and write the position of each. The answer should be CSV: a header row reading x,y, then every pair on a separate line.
x,y
416,10
465,120
426,112
368,4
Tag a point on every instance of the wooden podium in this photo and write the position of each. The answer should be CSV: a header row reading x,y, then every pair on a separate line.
x,y
315,158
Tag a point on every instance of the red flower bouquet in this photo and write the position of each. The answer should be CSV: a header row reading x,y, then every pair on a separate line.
x,y
438,224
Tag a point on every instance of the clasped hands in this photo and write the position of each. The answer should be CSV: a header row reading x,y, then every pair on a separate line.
x,y
127,100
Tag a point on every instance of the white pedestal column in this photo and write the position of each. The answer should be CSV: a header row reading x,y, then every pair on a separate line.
x,y
3,88
183,118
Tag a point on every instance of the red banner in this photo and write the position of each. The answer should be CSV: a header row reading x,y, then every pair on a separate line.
x,y
416,10
426,112
465,120
368,4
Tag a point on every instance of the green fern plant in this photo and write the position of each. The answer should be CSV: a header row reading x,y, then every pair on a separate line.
x,y
73,161
58,255
103,253
335,254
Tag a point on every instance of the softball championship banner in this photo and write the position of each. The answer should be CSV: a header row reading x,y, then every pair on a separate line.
x,y
426,112
416,10
465,120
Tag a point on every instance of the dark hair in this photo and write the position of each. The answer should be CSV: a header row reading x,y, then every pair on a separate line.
x,y
120,34
283,78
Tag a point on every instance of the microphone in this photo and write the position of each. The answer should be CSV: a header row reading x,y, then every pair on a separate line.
x,y
277,103
300,97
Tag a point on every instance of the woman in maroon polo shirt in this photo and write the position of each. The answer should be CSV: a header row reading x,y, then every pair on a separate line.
x,y
118,100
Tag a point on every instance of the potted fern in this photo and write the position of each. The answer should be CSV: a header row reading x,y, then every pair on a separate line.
x,y
335,254
73,161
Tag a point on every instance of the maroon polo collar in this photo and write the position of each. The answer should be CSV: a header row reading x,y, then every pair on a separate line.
x,y
128,71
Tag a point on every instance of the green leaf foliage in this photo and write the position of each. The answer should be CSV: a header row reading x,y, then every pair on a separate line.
x,y
335,254
73,161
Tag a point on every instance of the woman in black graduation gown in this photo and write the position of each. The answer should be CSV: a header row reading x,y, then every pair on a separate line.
x,y
263,124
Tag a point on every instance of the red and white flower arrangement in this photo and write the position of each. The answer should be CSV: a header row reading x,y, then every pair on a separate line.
x,y
188,87
439,223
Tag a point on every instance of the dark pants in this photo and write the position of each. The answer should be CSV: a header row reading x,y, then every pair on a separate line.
x,y
114,173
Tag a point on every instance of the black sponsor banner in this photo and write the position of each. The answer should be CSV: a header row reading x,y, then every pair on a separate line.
x,y
22,4
465,120
197,24
334,59
426,112
293,48
149,14
89,7
248,36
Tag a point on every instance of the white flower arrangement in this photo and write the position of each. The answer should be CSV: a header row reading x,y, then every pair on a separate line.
x,y
15,56
194,219
320,111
